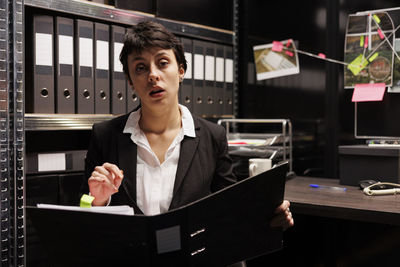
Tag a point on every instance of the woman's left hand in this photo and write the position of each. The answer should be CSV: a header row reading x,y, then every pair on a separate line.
x,y
283,217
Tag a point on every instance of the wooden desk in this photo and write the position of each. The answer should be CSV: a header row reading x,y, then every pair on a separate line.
x,y
351,204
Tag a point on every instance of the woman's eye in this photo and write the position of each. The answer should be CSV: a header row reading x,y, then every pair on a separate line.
x,y
140,68
163,63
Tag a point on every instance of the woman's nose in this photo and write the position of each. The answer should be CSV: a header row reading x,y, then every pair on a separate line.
x,y
154,76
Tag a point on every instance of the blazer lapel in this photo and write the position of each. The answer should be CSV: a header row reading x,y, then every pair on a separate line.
x,y
127,158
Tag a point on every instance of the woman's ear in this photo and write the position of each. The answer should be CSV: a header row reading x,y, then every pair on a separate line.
x,y
181,73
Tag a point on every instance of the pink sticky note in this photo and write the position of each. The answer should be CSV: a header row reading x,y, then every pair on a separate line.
x,y
289,42
289,53
321,55
366,42
277,46
368,92
381,35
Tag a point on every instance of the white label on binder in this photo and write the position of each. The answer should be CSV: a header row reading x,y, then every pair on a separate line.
x,y
210,68
188,74
229,70
43,49
85,52
168,239
219,71
117,51
102,55
51,162
65,50
198,67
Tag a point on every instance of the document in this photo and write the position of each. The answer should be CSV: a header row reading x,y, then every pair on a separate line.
x,y
120,210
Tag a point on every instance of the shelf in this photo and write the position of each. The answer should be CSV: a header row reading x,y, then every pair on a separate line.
x,y
53,122
122,16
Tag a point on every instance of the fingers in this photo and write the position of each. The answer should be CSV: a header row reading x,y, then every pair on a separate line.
x,y
111,172
283,216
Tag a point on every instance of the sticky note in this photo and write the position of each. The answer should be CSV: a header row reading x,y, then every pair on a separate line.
x,y
277,46
361,41
289,53
368,92
376,18
357,64
366,42
289,42
381,35
321,55
372,58
86,201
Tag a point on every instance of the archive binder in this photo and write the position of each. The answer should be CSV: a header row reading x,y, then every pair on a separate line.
x,y
186,92
219,81
102,73
223,228
118,81
65,83
229,76
133,101
84,67
209,90
198,75
42,95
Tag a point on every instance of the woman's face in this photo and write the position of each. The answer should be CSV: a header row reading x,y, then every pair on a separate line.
x,y
155,76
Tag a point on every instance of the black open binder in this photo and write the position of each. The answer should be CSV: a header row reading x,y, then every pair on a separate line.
x,y
223,228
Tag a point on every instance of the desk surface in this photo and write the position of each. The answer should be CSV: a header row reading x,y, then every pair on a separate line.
x,y
351,204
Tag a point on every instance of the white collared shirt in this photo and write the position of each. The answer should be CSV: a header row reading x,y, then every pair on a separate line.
x,y
155,181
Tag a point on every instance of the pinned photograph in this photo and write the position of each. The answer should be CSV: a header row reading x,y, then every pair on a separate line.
x,y
276,59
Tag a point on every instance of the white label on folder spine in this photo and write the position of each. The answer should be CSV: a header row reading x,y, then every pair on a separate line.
x,y
219,71
188,74
117,51
210,68
198,67
85,52
102,55
43,49
168,239
65,50
229,70
51,162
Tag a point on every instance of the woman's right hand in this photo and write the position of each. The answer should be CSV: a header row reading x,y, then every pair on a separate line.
x,y
104,182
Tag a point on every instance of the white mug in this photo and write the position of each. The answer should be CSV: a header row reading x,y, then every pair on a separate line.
x,y
259,165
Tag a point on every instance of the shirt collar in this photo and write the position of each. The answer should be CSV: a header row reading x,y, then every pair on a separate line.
x,y
132,124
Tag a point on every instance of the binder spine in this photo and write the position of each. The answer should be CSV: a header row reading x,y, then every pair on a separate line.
x,y
198,71
65,84
186,91
219,81
102,67
118,84
84,67
42,97
209,92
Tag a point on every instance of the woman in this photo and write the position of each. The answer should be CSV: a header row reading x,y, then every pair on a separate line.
x,y
159,157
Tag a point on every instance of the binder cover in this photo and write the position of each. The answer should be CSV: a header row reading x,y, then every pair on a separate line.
x,y
42,95
118,81
65,83
229,77
133,101
186,91
209,90
219,81
223,228
102,70
84,67
198,75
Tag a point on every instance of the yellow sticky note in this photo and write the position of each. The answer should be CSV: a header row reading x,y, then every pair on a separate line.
x,y
362,41
372,58
376,18
358,64
86,201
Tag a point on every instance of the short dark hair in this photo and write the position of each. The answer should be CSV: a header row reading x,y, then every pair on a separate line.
x,y
148,34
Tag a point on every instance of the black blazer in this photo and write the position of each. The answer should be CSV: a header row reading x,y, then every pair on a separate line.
x,y
204,165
